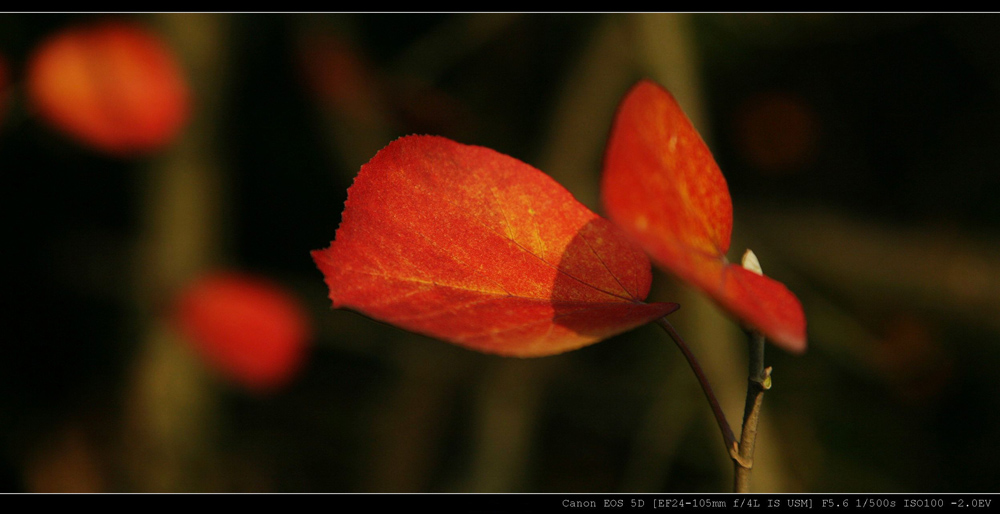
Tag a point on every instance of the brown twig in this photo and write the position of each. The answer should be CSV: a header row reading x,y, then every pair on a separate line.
x,y
759,381
728,438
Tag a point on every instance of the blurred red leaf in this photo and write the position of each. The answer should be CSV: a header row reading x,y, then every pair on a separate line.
x,y
4,86
340,76
477,248
246,327
114,86
777,132
663,187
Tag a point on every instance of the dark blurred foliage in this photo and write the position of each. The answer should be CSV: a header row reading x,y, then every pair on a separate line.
x,y
859,149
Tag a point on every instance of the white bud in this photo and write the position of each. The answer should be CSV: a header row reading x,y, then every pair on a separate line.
x,y
751,263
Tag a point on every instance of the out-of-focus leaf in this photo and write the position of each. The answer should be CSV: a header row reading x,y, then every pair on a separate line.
x,y
114,86
246,327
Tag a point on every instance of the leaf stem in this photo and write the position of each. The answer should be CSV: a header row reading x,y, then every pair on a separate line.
x,y
728,438
759,380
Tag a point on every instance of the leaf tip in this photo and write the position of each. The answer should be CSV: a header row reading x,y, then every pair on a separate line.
x,y
796,346
794,340
322,259
669,307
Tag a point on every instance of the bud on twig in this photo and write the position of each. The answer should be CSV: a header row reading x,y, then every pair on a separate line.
x,y
751,263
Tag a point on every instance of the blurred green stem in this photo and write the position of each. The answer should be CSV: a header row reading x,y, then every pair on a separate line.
x,y
759,381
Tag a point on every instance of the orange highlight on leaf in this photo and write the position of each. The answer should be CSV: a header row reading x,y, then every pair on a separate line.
x,y
480,249
114,86
662,186
248,328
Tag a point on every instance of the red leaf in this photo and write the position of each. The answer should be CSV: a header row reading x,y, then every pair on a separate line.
x,y
114,86
662,186
4,85
340,76
477,248
248,328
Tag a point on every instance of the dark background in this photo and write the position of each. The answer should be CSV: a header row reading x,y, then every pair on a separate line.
x,y
861,153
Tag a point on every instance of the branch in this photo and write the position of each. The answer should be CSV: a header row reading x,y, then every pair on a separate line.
x,y
728,438
759,381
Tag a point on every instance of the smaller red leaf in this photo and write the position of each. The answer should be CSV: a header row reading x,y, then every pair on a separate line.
x,y
339,76
662,186
4,86
480,249
248,328
115,86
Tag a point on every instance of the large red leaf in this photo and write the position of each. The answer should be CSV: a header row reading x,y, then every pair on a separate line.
x,y
663,187
477,248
